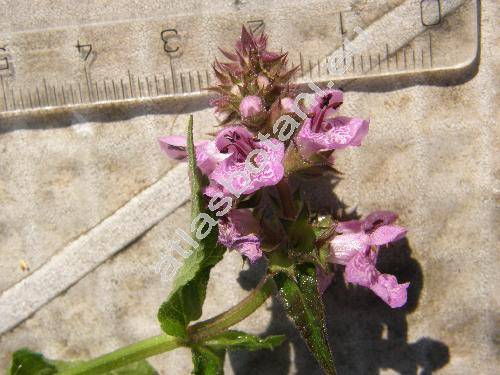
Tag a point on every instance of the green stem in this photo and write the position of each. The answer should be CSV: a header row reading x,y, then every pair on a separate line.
x,y
126,355
212,327
163,343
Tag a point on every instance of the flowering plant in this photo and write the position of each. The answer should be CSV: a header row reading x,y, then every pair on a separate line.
x,y
246,198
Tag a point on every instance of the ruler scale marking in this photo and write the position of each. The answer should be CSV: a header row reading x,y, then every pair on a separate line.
x,y
187,79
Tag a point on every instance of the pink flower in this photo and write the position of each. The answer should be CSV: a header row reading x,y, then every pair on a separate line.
x,y
357,248
238,230
251,164
235,162
321,133
251,105
207,155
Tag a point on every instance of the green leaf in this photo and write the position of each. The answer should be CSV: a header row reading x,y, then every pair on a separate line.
x,y
236,340
208,361
26,362
185,301
303,304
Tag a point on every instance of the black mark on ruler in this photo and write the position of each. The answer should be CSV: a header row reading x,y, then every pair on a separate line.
x,y
5,61
428,5
105,89
387,56
46,92
301,64
165,35
22,99
207,75
97,91
156,85
165,86
13,98
140,88
5,103
130,83
147,86
256,25
123,88
199,80
89,84
84,49
182,83
430,49
174,84
341,20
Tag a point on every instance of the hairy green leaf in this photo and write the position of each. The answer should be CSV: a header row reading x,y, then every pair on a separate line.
x,y
185,301
26,362
236,340
303,304
208,361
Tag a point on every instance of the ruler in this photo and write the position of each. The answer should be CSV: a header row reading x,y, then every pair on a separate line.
x,y
96,64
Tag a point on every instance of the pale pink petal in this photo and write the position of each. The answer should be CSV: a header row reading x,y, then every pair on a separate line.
x,y
175,146
214,189
386,233
361,269
249,246
251,166
361,132
238,231
337,133
345,246
208,156
388,289
345,131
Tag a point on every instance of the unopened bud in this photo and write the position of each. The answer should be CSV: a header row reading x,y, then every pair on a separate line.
x,y
250,106
262,81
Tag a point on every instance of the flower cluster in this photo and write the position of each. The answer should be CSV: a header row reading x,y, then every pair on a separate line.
x,y
252,161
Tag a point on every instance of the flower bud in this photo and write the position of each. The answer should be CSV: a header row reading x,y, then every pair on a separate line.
x,y
262,81
250,106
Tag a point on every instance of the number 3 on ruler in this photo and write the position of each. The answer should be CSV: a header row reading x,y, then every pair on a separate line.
x,y
165,35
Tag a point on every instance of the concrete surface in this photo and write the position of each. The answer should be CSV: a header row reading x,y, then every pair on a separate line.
x,y
430,156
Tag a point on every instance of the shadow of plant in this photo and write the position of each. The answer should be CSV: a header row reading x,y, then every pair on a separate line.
x,y
365,334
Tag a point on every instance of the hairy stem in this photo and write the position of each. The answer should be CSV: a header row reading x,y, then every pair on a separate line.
x,y
163,343
212,327
126,355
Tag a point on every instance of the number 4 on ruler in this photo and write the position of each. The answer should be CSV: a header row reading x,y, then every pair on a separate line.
x,y
84,49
